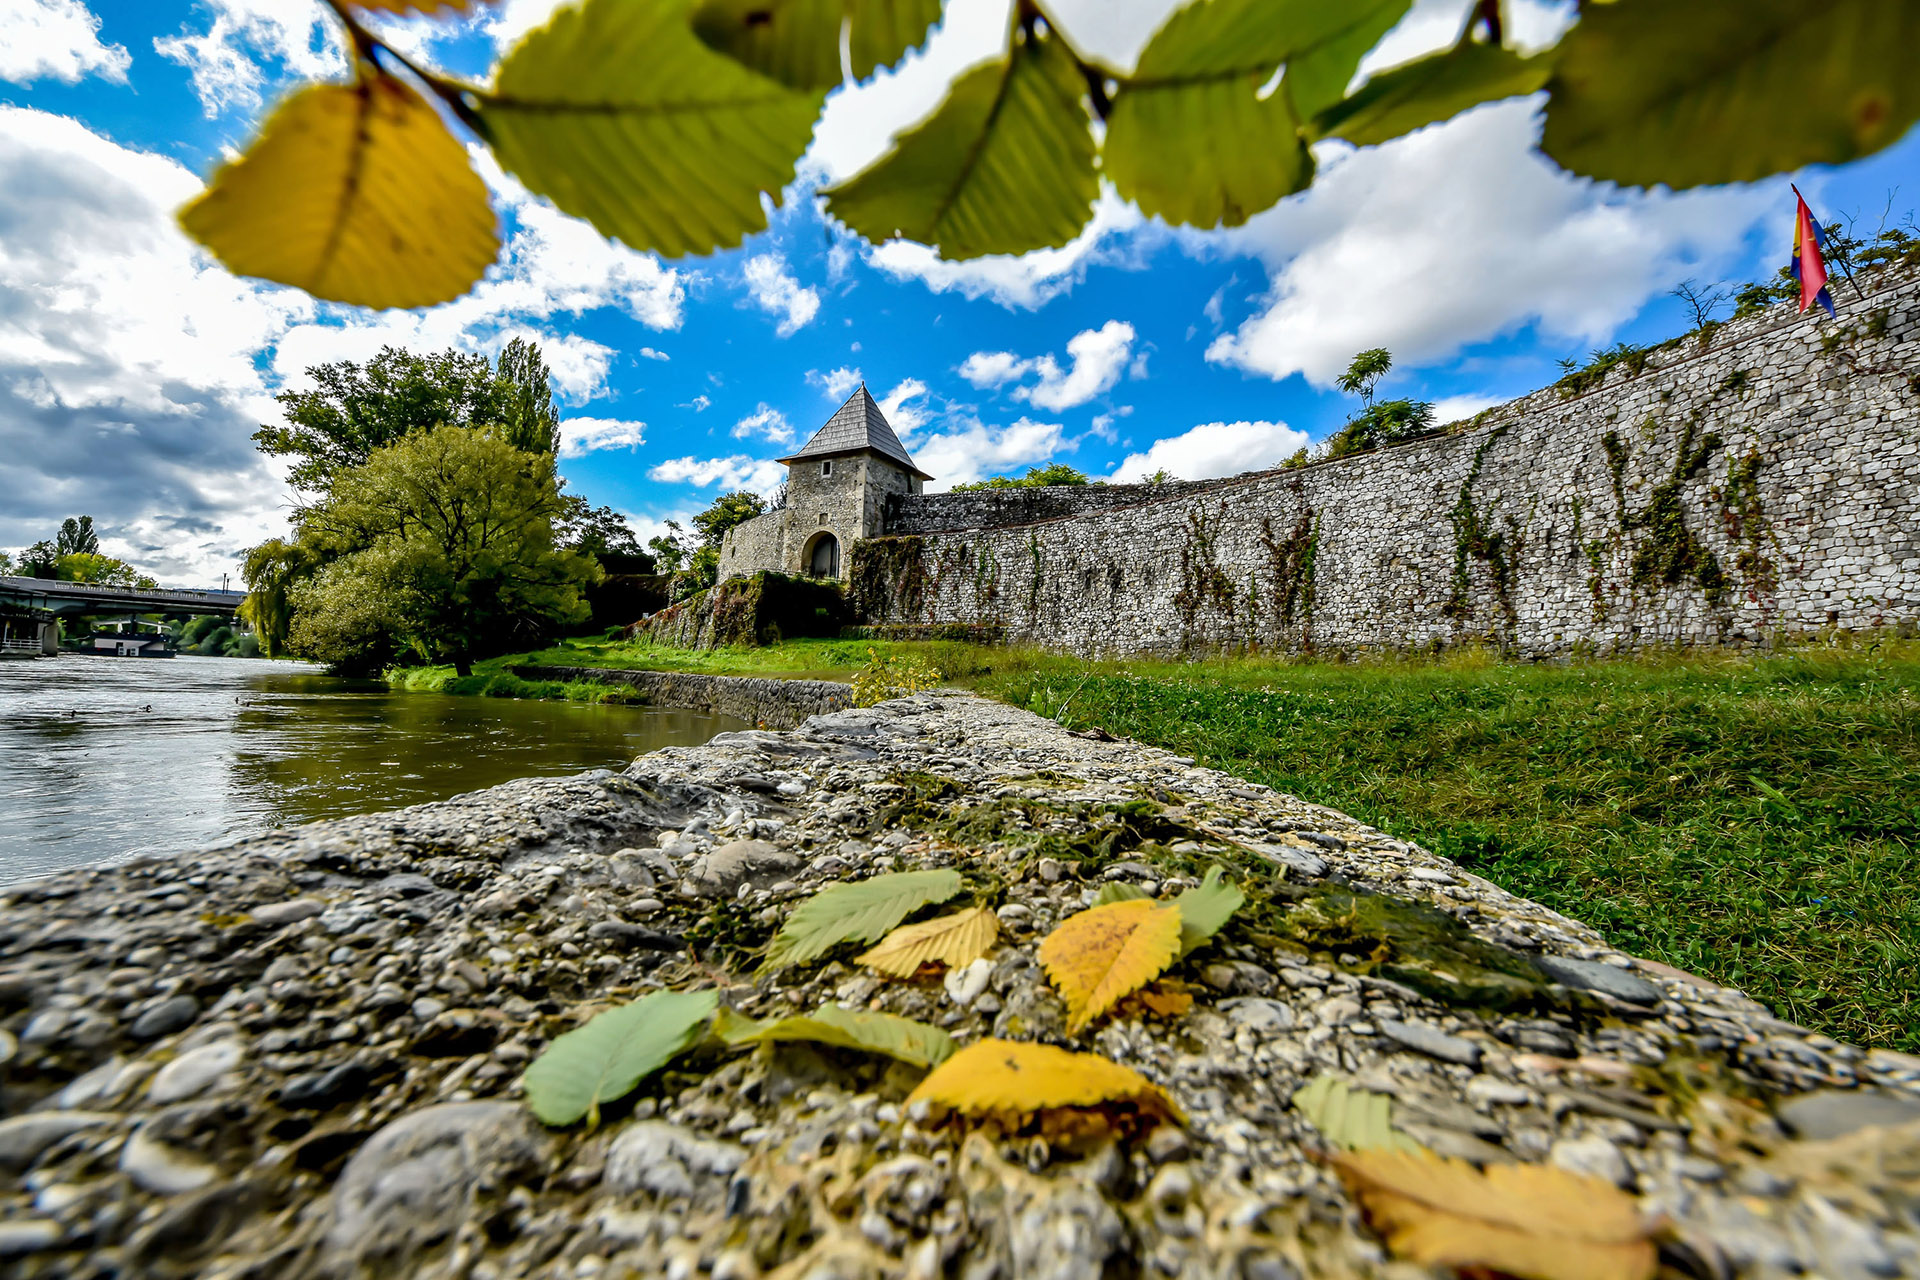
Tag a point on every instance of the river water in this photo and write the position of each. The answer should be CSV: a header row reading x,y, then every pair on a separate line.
x,y
102,759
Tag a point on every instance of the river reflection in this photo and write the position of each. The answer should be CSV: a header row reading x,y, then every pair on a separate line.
x,y
105,758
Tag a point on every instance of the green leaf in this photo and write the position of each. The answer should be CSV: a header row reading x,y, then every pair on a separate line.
x,y
613,1053
1117,891
1190,138
1005,164
797,42
618,113
1353,1119
884,1033
1205,909
1431,89
856,913
1647,91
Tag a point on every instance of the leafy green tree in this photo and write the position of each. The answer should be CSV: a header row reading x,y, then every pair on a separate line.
x,y
39,560
525,392
1387,422
99,570
442,545
594,531
669,549
726,511
76,537
1036,477
1364,373
7,567
271,571
353,409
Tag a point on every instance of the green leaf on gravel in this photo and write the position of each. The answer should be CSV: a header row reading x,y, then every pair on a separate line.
x,y
1428,90
797,42
1647,91
1353,1119
859,912
1206,908
1117,891
609,1056
618,113
884,1033
1005,164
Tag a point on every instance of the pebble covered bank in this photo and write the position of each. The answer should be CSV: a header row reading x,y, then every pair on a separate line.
x,y
301,1055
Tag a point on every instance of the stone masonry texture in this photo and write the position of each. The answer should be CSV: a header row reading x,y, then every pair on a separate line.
x,y
301,1056
1761,481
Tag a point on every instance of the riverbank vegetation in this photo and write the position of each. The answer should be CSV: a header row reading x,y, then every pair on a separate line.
x,y
1753,819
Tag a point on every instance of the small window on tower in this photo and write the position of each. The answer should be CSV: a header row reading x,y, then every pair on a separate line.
x,y
823,519
826,468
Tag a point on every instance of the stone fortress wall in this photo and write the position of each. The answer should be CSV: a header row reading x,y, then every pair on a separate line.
x,y
1762,481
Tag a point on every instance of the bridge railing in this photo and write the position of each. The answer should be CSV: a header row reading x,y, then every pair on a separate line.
x,y
10,645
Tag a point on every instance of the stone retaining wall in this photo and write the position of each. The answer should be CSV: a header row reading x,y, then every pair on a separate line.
x,y
1760,482
776,704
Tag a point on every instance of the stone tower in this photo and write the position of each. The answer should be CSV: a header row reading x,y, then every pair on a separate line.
x,y
837,489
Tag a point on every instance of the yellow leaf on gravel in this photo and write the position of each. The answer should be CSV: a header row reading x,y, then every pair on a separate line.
x,y
356,193
1000,1077
1528,1220
956,941
1104,952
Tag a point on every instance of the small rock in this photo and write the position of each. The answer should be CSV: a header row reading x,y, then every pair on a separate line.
x,y
1487,1091
163,1019
1834,1113
457,1033
1431,875
1699,1168
965,985
27,1235
291,911
1431,1041
1166,1143
194,1072
9,1047
1593,1156
283,969
633,937
324,1090
23,1138
652,1155
96,1085
1051,870
162,1169
1260,1014
426,1007
1337,1011
723,869
1586,975
45,1027
1014,913
792,787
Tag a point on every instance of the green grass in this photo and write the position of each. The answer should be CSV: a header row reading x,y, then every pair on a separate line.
x,y
1750,819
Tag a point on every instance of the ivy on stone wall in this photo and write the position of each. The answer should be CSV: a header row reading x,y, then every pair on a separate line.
x,y
1202,580
1670,553
1476,538
1290,570
887,577
1747,527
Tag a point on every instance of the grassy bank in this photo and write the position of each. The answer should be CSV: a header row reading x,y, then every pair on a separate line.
x,y
1750,819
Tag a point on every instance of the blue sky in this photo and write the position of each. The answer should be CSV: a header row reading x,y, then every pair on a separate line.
x,y
132,369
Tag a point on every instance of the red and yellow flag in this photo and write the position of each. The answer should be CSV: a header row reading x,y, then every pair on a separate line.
x,y
1809,263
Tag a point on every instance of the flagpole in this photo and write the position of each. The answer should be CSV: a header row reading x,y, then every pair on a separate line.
x,y
1845,270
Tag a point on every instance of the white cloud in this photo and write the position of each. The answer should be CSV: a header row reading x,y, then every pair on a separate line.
x,y
968,450
766,422
736,472
1458,233
899,409
1098,357
225,60
699,404
508,20
580,436
837,384
1116,236
1214,449
110,403
56,40
777,293
1457,408
649,353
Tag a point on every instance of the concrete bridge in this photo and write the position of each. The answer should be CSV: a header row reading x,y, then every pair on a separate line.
x,y
30,607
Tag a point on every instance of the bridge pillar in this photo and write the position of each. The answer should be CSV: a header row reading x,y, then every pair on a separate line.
x,y
50,639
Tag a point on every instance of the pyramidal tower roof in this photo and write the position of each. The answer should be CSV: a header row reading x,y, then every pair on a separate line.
x,y
857,427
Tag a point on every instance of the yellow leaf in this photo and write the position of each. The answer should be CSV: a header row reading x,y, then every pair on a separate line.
x,y
955,941
1001,1077
1165,1001
1104,952
356,193
1527,1220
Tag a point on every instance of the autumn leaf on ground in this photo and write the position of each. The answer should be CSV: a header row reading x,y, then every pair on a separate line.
x,y
896,1037
1355,1119
1161,999
955,940
1004,1077
609,1056
1206,908
1117,891
356,193
858,912
1103,953
1528,1220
